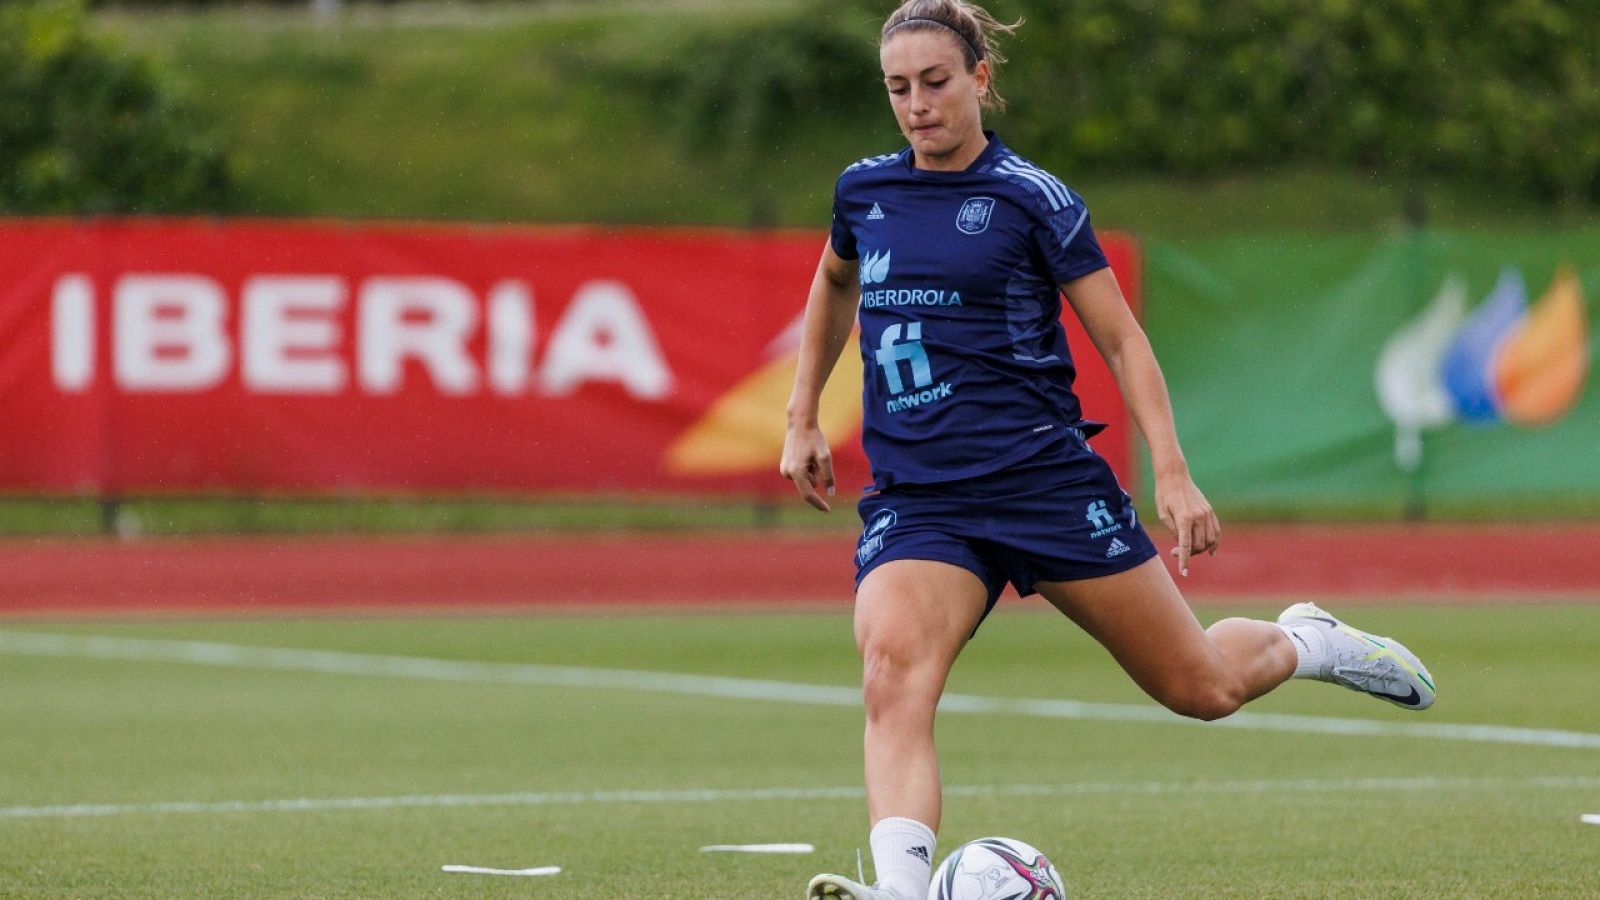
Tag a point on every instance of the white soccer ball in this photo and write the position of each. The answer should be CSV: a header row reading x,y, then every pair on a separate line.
x,y
996,868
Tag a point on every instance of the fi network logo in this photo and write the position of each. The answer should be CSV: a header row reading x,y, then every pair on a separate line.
x,y
875,267
892,351
1098,515
1101,520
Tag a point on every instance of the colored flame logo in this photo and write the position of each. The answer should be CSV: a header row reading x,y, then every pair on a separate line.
x,y
743,430
875,267
1505,362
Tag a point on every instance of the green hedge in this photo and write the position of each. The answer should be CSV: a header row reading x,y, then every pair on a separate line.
x,y
246,4
738,91
1505,92
85,129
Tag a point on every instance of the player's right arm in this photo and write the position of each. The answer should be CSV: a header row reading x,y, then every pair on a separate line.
x,y
830,314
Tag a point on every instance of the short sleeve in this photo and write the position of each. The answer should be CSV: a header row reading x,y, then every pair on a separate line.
x,y
843,239
1066,241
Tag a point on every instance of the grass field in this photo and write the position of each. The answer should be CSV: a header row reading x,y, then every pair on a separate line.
x,y
533,741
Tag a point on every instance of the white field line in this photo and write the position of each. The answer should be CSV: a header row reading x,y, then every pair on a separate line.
x,y
485,870
587,798
421,668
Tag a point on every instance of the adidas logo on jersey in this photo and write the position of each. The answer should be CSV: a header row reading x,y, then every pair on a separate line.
x,y
1117,548
876,212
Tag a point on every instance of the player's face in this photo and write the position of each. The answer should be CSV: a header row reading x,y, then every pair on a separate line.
x,y
935,98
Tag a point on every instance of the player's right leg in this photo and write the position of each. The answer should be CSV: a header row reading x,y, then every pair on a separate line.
x,y
913,616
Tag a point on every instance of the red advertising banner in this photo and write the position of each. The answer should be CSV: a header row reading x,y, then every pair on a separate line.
x,y
227,356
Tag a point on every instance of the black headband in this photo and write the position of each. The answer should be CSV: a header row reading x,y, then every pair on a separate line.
x,y
976,53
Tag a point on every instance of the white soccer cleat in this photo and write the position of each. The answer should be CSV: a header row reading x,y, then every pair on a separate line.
x,y
1367,663
838,887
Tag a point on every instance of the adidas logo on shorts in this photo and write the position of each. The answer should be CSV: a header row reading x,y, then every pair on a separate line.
x,y
1117,548
876,212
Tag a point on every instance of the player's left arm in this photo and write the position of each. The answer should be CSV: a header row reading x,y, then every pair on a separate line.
x,y
1097,299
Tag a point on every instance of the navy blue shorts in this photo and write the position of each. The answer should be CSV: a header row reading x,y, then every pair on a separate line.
x,y
1058,517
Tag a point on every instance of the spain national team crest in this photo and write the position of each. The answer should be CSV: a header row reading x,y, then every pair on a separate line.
x,y
974,215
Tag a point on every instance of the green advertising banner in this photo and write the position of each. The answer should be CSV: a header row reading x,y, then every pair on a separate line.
x,y
1424,374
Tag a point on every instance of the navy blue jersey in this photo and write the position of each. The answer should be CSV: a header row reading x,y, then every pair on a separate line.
x,y
967,369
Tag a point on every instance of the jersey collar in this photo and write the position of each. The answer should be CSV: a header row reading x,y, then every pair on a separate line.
x,y
990,152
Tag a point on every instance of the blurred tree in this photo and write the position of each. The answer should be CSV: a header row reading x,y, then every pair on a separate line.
x,y
739,91
86,129
1504,92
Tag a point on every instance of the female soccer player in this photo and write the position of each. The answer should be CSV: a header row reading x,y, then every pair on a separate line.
x,y
953,253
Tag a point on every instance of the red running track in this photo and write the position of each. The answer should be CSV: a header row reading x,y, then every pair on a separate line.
x,y
1365,564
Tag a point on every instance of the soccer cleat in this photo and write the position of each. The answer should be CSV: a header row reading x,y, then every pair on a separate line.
x,y
1367,663
838,887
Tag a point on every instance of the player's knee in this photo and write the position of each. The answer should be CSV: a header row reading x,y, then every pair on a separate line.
x,y
1207,700
894,679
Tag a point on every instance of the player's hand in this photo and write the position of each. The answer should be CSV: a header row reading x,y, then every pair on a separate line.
x,y
808,463
1187,512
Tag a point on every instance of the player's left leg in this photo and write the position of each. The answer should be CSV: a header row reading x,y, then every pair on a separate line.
x,y
1349,657
1139,616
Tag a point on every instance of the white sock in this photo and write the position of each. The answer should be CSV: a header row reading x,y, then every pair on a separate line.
x,y
1311,650
902,857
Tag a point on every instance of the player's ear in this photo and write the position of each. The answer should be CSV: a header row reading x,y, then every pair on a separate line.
x,y
982,76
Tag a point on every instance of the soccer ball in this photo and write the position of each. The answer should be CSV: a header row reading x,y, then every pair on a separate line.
x,y
996,868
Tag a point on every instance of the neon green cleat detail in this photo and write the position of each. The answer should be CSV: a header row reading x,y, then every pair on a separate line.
x,y
838,887
1379,666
